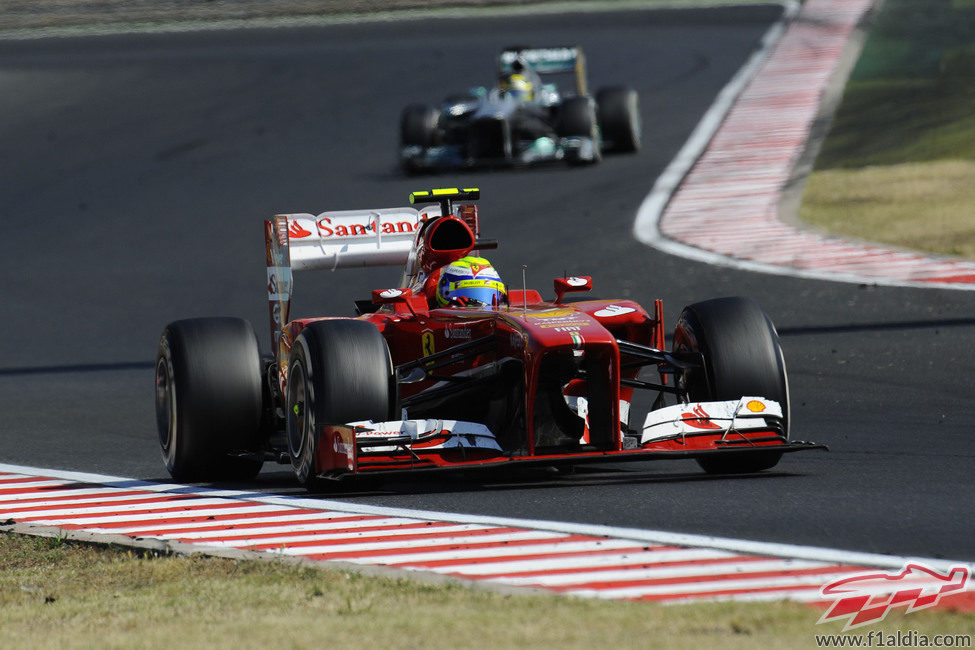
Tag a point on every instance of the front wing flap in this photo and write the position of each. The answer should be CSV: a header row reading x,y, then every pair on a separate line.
x,y
731,419
694,430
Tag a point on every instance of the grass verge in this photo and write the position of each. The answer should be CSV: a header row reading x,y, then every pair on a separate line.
x,y
929,206
56,593
898,165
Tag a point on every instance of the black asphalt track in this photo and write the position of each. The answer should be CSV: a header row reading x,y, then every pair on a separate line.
x,y
137,170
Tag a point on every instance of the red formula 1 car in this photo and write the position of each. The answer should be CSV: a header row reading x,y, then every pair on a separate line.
x,y
416,382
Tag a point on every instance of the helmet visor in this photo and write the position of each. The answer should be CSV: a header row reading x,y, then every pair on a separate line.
x,y
478,291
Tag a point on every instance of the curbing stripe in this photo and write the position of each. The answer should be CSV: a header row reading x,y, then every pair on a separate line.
x,y
511,554
648,536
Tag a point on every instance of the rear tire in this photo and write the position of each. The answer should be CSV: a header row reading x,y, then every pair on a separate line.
x,y
742,356
339,371
419,126
209,399
618,112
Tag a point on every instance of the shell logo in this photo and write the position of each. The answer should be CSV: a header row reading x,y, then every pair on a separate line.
x,y
554,313
755,406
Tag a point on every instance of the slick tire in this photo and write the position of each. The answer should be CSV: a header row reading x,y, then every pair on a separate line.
x,y
742,356
209,399
618,114
577,117
419,126
339,371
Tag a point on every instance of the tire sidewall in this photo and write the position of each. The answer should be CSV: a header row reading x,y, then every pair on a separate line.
x,y
328,353
301,363
213,370
169,442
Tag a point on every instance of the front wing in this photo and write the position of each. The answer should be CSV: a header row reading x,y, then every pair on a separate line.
x,y
573,149
681,431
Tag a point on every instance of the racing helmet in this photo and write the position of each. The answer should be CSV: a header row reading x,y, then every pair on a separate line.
x,y
517,86
470,282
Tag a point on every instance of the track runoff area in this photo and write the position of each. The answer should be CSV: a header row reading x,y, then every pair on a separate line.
x,y
726,166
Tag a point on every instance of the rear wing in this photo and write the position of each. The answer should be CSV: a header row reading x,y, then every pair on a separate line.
x,y
344,239
545,61
333,240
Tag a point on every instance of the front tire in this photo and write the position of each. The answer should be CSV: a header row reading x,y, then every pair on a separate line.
x,y
618,112
339,371
419,126
742,356
209,399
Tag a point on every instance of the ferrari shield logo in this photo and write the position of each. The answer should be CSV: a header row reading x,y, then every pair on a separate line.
x,y
426,343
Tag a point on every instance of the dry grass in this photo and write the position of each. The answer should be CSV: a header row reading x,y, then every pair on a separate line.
x,y
59,594
928,206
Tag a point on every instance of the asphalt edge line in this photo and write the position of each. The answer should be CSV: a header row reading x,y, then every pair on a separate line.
x,y
774,549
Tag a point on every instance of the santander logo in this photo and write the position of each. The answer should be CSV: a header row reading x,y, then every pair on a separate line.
x,y
295,231
699,418
329,227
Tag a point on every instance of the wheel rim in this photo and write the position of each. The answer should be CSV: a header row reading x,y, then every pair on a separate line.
x,y
297,411
165,404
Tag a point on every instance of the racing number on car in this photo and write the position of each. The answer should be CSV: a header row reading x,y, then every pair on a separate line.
x,y
426,340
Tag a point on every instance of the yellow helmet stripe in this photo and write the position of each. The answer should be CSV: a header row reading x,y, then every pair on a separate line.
x,y
477,283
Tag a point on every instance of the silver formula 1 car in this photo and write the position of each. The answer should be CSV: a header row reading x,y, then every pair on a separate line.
x,y
526,119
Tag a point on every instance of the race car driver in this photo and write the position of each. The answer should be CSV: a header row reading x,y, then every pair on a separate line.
x,y
470,282
517,86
